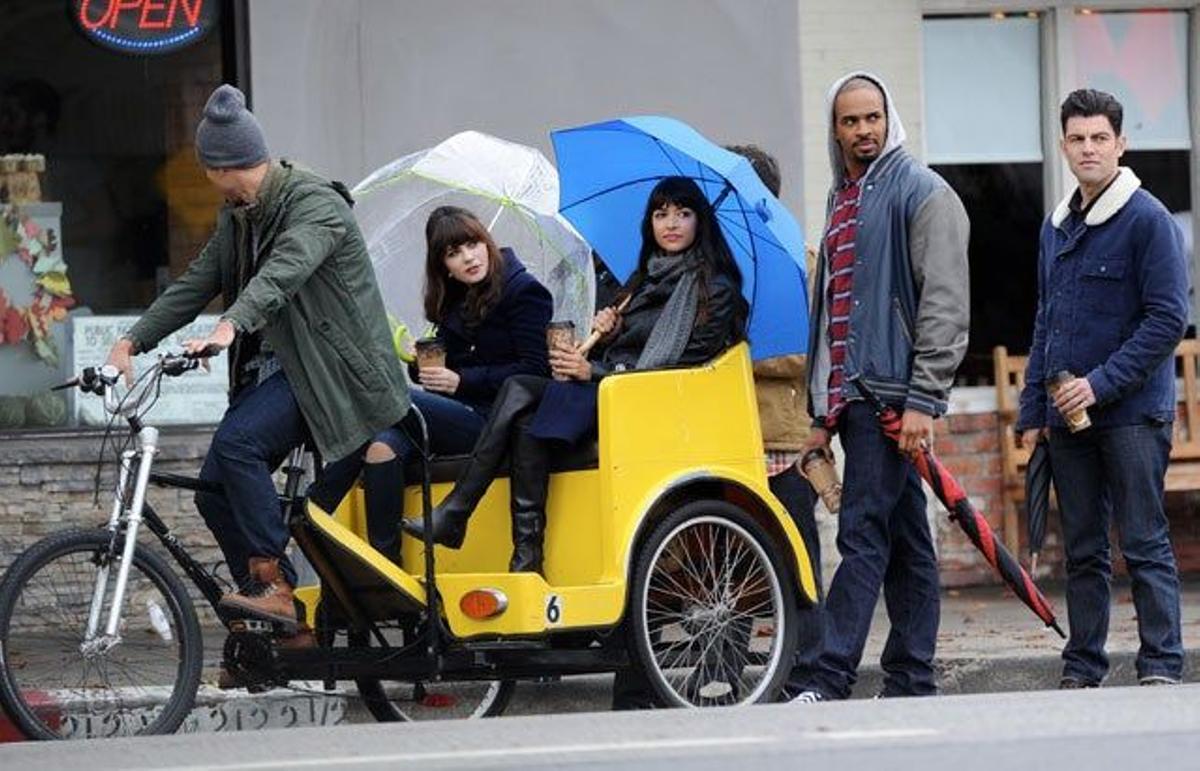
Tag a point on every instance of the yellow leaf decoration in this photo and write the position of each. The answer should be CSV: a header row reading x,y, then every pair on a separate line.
x,y
56,284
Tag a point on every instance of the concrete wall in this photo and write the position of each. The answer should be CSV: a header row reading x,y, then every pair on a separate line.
x,y
348,86
881,36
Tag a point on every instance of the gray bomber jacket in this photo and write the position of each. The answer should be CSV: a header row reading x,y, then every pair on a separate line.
x,y
911,291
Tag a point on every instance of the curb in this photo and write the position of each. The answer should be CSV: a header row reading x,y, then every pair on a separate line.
x,y
308,704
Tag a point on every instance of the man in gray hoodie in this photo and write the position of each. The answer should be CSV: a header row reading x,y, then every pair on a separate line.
x,y
891,309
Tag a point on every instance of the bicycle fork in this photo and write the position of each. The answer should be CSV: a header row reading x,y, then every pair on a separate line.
x,y
131,516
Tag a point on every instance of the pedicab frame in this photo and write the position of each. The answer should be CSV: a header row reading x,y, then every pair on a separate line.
x,y
668,439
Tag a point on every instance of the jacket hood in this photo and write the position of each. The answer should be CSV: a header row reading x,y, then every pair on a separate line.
x,y
512,264
895,127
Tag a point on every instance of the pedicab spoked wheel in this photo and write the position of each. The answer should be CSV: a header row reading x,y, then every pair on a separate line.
x,y
391,701
54,684
714,618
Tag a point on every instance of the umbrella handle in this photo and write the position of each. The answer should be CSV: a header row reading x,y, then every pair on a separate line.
x,y
595,336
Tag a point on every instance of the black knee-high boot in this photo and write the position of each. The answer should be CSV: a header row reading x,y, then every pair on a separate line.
x,y
529,479
384,493
519,394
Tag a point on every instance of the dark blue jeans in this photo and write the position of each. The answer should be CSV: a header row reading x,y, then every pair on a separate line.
x,y
798,497
884,540
453,428
1117,471
261,426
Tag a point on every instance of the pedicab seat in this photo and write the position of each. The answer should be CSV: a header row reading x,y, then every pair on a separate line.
x,y
446,468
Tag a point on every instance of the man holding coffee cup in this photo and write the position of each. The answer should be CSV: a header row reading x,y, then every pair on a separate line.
x,y
1100,387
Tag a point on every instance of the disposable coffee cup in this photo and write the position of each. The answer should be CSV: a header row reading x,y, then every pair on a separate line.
x,y
431,352
1077,420
560,335
818,468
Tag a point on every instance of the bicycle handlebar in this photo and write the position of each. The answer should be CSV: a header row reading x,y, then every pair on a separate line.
x,y
102,381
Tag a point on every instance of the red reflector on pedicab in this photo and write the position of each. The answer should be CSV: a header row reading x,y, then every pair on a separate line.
x,y
483,603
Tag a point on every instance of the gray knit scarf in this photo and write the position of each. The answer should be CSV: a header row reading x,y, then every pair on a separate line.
x,y
673,327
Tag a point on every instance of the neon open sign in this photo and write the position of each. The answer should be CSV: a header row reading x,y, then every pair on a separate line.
x,y
145,26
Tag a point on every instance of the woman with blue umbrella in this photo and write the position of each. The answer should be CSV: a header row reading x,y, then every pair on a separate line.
x,y
684,307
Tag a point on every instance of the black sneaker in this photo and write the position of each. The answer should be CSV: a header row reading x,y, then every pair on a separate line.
x,y
1074,683
1158,680
808,697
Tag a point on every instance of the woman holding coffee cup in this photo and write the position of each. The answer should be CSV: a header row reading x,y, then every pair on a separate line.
x,y
491,317
684,306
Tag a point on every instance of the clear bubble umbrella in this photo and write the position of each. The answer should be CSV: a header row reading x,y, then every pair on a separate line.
x,y
513,190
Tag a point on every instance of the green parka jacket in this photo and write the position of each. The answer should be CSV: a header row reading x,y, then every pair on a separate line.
x,y
294,267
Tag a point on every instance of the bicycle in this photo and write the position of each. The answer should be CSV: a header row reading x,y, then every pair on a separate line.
x,y
99,636
665,551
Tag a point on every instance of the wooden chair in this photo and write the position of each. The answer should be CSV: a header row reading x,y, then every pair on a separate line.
x,y
1183,471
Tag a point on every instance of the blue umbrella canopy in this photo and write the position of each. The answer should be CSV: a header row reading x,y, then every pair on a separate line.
x,y
606,172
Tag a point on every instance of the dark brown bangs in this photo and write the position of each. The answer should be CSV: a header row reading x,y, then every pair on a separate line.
x,y
452,228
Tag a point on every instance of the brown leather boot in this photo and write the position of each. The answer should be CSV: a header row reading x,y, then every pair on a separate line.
x,y
273,604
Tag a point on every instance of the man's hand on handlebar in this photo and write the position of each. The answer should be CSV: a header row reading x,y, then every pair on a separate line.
x,y
218,340
121,357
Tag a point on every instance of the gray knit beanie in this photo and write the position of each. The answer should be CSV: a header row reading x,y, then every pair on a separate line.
x,y
229,136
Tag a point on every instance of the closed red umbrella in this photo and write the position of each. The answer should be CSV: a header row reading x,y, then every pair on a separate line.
x,y
973,523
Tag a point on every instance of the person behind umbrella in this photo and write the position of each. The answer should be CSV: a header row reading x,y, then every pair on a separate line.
x,y
491,316
890,307
307,334
781,389
1112,306
685,307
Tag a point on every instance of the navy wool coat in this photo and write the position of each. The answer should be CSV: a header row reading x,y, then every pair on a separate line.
x,y
510,340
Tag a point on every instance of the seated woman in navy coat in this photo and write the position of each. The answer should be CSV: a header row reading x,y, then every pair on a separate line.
x,y
491,316
685,307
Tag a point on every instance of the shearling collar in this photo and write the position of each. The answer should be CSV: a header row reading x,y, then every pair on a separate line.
x,y
1119,191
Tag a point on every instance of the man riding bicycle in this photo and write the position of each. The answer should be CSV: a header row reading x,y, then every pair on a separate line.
x,y
309,344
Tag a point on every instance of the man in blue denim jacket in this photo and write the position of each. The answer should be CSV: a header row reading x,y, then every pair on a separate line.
x,y
1112,306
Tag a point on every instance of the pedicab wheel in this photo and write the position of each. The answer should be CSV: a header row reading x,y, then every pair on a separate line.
x,y
55,684
393,701
713,611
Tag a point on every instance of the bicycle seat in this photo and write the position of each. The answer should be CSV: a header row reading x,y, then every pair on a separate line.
x,y
447,468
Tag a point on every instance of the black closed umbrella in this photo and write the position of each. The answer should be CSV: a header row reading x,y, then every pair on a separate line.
x,y
1038,477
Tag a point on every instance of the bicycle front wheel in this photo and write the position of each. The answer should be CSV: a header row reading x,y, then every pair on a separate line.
x,y
55,682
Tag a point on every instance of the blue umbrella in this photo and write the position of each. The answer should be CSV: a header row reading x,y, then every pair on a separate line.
x,y
606,172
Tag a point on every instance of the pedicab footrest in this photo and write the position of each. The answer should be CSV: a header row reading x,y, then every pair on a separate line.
x,y
382,588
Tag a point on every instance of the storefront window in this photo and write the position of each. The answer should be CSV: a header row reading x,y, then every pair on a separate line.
x,y
1141,57
983,134
124,206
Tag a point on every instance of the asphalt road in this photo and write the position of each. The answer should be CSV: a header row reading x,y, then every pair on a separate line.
x,y
1146,729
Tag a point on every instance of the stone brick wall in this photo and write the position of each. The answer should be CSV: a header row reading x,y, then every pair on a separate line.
x,y
47,484
970,447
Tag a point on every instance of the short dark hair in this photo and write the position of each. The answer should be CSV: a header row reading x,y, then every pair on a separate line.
x,y
764,165
1088,102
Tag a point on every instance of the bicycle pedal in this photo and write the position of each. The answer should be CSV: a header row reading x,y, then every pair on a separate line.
x,y
251,625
